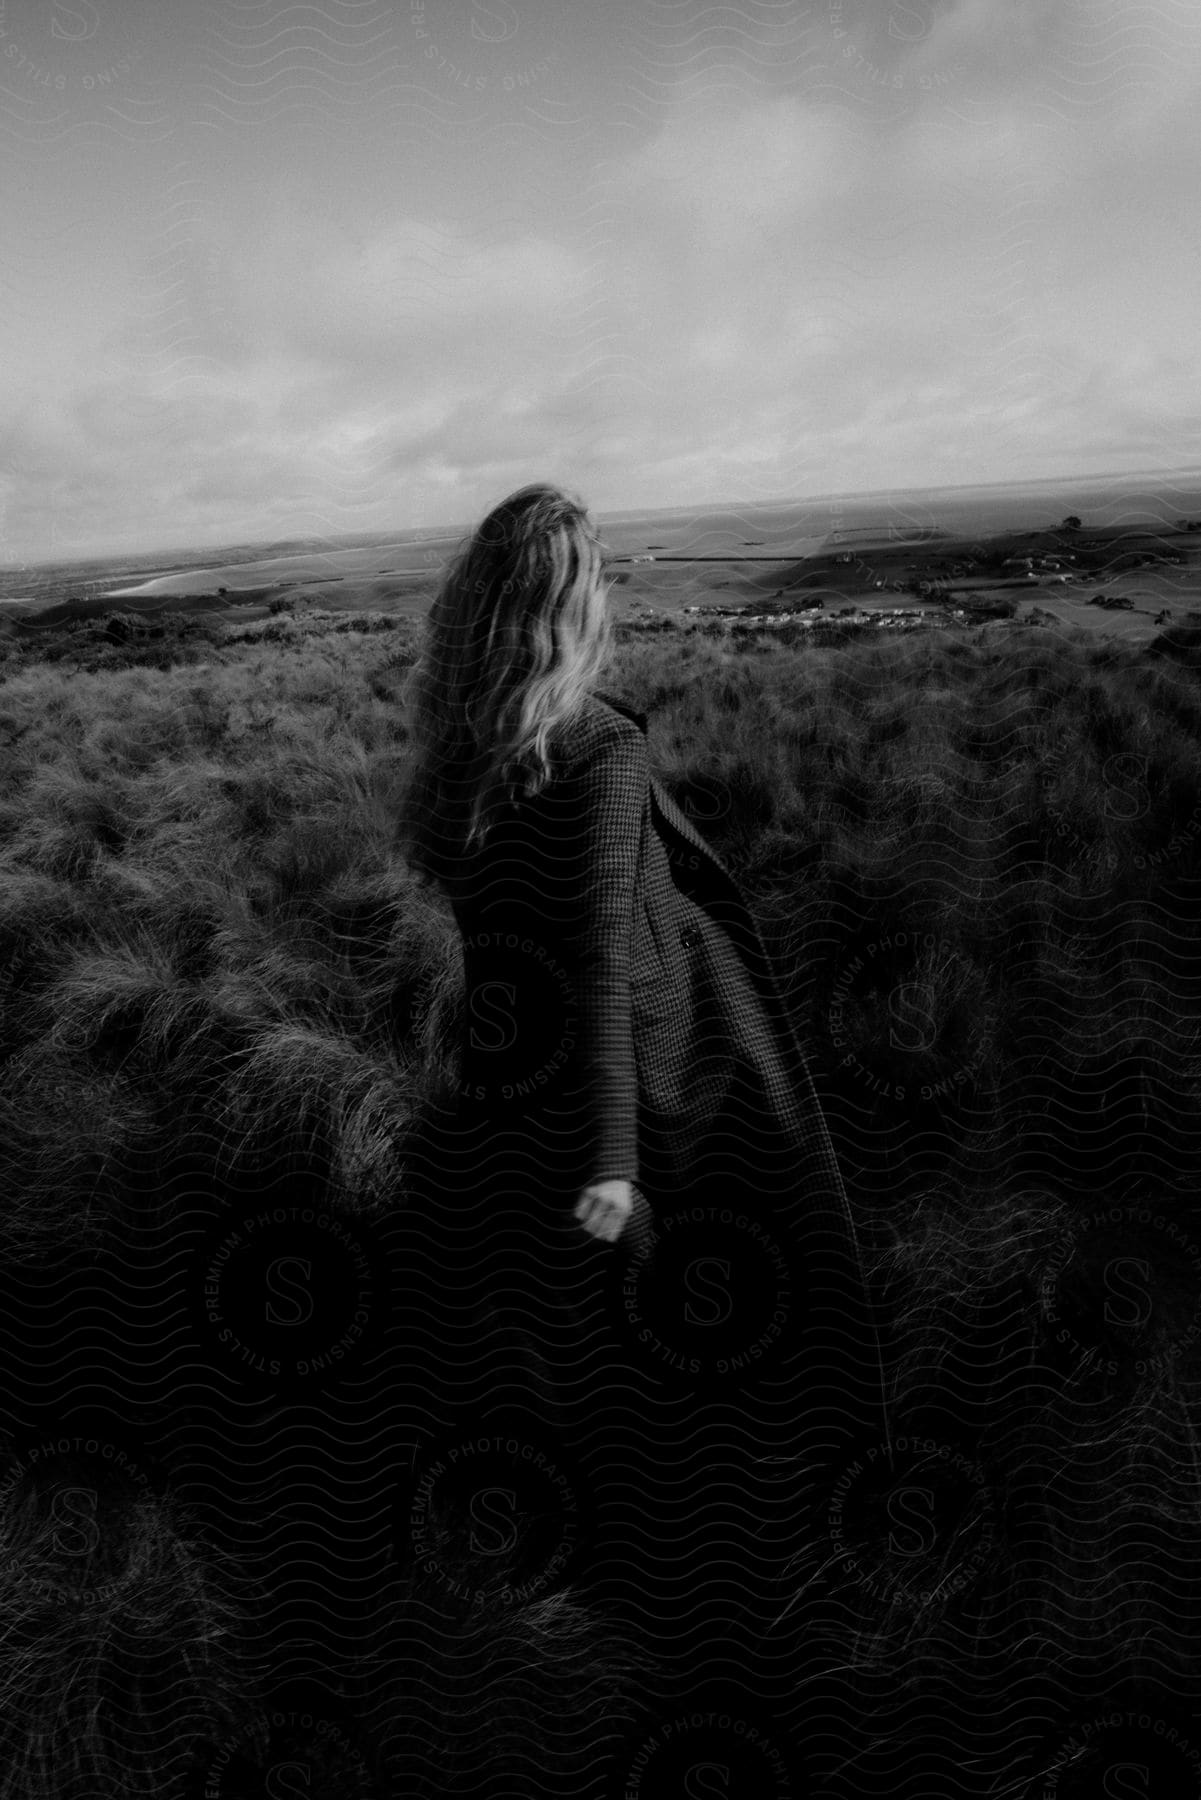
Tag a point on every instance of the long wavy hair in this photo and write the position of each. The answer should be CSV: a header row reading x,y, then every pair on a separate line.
x,y
516,637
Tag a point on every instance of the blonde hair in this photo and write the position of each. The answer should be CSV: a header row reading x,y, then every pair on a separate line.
x,y
514,640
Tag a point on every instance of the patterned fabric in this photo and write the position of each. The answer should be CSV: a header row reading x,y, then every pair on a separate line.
x,y
618,986
622,1020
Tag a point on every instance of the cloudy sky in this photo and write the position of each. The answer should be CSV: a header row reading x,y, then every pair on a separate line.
x,y
271,268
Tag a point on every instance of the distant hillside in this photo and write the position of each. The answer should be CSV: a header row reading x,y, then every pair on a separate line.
x,y
64,612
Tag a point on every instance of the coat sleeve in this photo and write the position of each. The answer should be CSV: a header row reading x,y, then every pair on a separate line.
x,y
612,787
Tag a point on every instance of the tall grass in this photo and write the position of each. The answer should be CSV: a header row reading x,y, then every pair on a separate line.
x,y
207,951
116,1664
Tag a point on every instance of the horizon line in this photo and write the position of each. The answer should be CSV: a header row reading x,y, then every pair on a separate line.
x,y
454,529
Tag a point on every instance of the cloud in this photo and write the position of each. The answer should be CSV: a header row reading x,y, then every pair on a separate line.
x,y
396,293
725,181
771,290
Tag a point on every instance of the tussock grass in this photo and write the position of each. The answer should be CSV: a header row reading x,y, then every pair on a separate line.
x,y
208,949
1093,1474
533,1695
116,1662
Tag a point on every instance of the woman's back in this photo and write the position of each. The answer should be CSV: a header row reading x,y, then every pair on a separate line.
x,y
621,1024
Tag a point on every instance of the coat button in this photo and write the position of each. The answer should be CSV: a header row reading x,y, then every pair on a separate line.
x,y
689,936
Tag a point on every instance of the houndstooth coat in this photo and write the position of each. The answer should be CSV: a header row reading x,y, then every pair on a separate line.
x,y
620,1001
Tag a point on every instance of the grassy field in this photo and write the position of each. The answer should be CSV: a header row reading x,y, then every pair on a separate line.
x,y
975,858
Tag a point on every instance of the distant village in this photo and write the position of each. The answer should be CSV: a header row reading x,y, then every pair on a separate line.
x,y
989,569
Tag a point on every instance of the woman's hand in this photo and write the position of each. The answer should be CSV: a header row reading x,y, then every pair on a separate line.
x,y
603,1208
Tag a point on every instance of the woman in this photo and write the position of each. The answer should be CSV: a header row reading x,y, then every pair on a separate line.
x,y
626,1051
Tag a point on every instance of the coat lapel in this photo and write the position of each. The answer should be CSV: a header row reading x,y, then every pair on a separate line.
x,y
669,813
681,824
734,911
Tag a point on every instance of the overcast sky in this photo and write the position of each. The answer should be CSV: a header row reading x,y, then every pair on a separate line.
x,y
272,268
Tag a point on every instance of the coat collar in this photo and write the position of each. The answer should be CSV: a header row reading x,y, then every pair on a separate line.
x,y
622,706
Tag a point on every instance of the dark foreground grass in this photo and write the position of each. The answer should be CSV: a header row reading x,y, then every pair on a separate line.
x,y
121,1649
975,858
